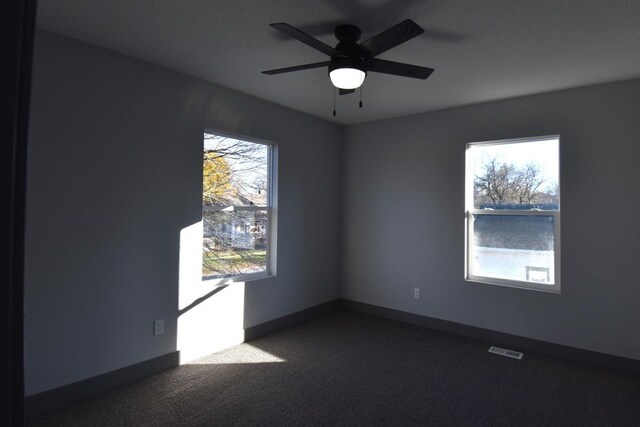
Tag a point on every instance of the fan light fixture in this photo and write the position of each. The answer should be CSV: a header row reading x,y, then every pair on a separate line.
x,y
347,72
347,78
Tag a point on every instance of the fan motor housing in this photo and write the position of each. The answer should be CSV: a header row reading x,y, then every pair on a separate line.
x,y
348,36
356,62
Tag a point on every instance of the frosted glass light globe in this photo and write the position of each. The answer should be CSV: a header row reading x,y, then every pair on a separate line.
x,y
347,78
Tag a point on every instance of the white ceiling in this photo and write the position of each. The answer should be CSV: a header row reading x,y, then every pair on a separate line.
x,y
481,50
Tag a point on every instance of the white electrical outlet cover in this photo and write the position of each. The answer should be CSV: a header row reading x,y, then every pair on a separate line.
x,y
158,327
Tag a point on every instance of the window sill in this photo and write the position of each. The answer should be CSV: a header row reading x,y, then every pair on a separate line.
x,y
551,289
225,281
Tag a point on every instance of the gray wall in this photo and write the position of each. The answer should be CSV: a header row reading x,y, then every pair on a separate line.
x,y
115,175
404,217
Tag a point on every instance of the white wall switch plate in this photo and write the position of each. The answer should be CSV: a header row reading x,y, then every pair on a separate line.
x,y
416,293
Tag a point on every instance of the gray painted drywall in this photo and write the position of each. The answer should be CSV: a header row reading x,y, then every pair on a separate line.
x,y
115,175
404,217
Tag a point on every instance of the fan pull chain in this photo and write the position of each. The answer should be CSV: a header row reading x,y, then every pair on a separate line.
x,y
360,96
334,102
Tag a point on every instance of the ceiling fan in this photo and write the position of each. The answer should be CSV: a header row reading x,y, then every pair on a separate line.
x,y
349,61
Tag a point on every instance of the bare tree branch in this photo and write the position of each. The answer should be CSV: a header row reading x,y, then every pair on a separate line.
x,y
504,183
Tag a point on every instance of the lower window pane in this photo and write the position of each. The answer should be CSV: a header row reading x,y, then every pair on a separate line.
x,y
234,243
513,247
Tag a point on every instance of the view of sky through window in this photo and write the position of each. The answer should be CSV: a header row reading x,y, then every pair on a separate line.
x,y
517,175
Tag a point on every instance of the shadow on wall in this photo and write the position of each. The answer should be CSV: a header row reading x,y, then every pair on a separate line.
x,y
210,314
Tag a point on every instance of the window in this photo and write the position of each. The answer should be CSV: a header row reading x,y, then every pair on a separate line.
x,y
513,213
237,208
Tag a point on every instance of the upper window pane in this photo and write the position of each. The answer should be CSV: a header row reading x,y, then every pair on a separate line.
x,y
235,172
515,175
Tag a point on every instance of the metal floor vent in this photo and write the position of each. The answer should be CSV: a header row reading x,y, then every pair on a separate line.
x,y
505,352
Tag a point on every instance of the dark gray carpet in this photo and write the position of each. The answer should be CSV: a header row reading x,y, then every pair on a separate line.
x,y
355,370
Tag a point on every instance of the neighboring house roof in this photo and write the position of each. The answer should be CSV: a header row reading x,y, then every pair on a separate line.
x,y
527,232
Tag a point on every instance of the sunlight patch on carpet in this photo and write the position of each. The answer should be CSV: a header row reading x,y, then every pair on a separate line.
x,y
245,353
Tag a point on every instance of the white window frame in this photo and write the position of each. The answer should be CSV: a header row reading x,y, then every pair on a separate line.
x,y
271,208
470,211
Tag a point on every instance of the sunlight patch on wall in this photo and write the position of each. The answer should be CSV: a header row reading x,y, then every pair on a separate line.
x,y
210,316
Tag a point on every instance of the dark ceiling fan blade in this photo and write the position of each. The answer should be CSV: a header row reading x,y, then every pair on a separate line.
x,y
304,38
297,68
398,69
398,34
345,91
